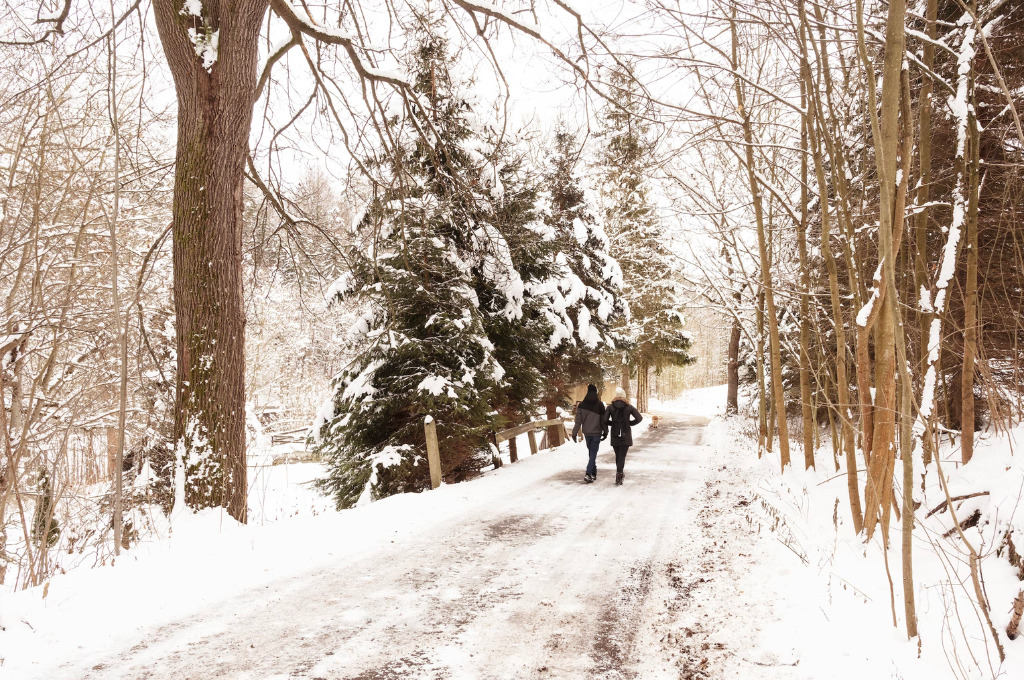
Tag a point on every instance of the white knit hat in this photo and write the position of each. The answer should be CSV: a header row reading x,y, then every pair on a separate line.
x,y
620,393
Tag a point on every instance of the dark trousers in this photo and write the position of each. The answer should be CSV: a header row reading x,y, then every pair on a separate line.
x,y
593,444
620,457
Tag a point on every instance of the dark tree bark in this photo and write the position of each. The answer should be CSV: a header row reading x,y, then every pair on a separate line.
x,y
643,385
732,396
733,368
555,433
215,108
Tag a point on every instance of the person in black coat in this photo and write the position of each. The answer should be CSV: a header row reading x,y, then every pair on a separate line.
x,y
590,420
619,418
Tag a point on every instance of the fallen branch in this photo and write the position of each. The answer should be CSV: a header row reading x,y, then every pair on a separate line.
x,y
954,499
963,526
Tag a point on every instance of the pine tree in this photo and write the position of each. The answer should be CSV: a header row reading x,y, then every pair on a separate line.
x,y
586,302
653,335
448,267
511,222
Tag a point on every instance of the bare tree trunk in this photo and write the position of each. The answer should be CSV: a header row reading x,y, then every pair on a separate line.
x,y
17,394
971,330
764,439
111,436
733,368
906,415
624,378
555,433
848,442
7,472
732,396
921,219
770,316
775,354
643,370
119,323
805,289
215,104
886,136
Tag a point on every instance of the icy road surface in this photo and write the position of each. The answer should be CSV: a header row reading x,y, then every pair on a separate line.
x,y
544,577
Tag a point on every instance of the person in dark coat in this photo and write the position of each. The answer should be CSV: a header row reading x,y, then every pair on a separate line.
x,y
590,419
619,418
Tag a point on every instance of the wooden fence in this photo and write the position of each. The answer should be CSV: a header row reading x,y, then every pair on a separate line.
x,y
556,437
295,436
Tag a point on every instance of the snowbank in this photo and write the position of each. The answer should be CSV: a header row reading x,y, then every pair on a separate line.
x,y
839,588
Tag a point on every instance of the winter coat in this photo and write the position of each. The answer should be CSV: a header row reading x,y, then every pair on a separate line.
x,y
589,417
620,416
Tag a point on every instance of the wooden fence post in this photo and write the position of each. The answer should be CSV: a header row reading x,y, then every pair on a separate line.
x,y
533,442
513,453
433,453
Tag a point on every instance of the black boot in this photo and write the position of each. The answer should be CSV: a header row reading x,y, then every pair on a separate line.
x,y
618,478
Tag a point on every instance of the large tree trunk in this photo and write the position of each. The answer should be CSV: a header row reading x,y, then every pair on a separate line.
x,y
215,105
555,433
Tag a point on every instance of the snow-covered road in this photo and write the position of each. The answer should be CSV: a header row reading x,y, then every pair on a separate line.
x,y
550,579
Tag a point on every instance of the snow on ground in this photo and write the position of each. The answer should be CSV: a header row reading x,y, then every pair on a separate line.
x,y
708,563
704,401
796,616
278,490
834,587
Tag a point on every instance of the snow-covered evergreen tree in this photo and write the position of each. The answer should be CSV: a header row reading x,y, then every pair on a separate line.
x,y
585,301
653,335
521,334
448,260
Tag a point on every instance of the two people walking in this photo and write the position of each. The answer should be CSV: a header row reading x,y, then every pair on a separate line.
x,y
596,421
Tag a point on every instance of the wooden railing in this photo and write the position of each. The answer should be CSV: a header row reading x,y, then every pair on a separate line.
x,y
289,437
530,429
509,435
